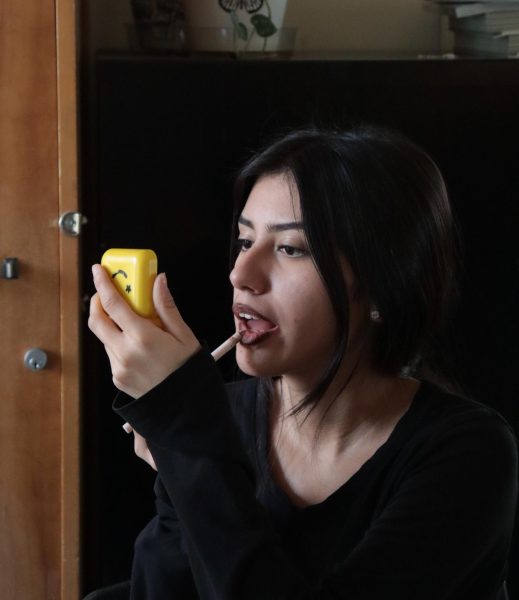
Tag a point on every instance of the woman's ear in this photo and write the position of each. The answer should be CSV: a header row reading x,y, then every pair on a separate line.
x,y
374,315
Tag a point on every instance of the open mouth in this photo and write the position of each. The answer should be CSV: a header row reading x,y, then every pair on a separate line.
x,y
251,324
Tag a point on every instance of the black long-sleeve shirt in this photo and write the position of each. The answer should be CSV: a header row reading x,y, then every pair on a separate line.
x,y
428,516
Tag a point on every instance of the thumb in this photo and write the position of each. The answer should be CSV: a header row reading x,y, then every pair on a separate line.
x,y
166,308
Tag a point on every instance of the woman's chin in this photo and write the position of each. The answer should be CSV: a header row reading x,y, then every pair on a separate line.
x,y
254,365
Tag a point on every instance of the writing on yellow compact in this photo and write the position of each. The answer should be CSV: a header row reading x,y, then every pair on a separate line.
x,y
133,272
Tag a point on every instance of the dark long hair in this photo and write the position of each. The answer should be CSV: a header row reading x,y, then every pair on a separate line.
x,y
374,197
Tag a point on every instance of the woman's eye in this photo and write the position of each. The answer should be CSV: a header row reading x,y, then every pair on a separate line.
x,y
243,244
292,251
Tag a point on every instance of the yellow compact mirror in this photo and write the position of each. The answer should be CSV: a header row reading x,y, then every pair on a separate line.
x,y
133,272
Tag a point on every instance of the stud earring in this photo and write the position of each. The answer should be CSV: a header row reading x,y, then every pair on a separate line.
x,y
374,315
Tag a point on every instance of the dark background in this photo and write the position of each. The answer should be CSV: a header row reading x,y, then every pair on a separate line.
x,y
161,140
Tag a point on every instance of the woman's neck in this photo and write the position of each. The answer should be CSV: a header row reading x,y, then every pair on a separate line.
x,y
313,453
370,404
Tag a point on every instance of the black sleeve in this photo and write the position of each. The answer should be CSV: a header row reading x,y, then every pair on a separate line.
x,y
447,522
161,567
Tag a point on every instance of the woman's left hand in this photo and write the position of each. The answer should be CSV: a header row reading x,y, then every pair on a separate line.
x,y
140,447
141,354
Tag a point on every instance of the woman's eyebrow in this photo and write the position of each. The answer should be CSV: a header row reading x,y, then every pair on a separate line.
x,y
272,227
243,221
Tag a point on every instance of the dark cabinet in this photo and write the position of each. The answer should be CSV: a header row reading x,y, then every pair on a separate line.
x,y
162,138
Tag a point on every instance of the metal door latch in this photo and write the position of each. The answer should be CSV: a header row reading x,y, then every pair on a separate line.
x,y
72,222
9,268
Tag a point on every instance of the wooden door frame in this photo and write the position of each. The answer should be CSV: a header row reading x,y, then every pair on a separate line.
x,y
67,112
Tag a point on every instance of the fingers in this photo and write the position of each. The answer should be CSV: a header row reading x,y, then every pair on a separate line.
x,y
141,354
101,324
113,305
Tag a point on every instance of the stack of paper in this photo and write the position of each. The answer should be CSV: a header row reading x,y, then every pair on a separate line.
x,y
484,28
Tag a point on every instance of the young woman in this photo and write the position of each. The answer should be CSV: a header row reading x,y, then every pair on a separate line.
x,y
339,469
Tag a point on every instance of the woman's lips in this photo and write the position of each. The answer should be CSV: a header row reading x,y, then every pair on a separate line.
x,y
253,325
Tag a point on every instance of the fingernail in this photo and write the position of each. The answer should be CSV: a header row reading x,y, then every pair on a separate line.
x,y
165,287
164,280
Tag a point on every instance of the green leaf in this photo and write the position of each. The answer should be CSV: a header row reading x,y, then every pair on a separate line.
x,y
241,31
263,25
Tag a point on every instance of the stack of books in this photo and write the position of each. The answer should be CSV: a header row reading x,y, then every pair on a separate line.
x,y
484,28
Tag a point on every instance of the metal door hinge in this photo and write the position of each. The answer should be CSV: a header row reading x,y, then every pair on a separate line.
x,y
72,222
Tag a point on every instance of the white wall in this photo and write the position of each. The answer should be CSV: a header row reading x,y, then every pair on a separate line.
x,y
398,26
392,26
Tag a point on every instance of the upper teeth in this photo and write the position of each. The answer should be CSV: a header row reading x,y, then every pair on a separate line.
x,y
247,316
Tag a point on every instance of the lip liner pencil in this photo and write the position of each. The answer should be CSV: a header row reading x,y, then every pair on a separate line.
x,y
217,354
226,346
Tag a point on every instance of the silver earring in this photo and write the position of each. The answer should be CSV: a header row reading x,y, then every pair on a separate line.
x,y
374,315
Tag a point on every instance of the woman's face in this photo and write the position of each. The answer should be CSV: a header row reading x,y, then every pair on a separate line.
x,y
293,330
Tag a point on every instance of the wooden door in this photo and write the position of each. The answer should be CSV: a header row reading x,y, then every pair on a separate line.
x,y
38,410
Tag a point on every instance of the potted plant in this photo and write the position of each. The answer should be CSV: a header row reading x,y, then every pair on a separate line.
x,y
238,26
157,26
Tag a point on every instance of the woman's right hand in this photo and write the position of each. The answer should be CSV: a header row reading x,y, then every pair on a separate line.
x,y
141,354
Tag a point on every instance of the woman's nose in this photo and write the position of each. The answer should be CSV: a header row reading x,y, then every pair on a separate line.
x,y
250,272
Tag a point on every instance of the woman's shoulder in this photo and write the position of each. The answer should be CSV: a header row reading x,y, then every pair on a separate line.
x,y
442,418
442,405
